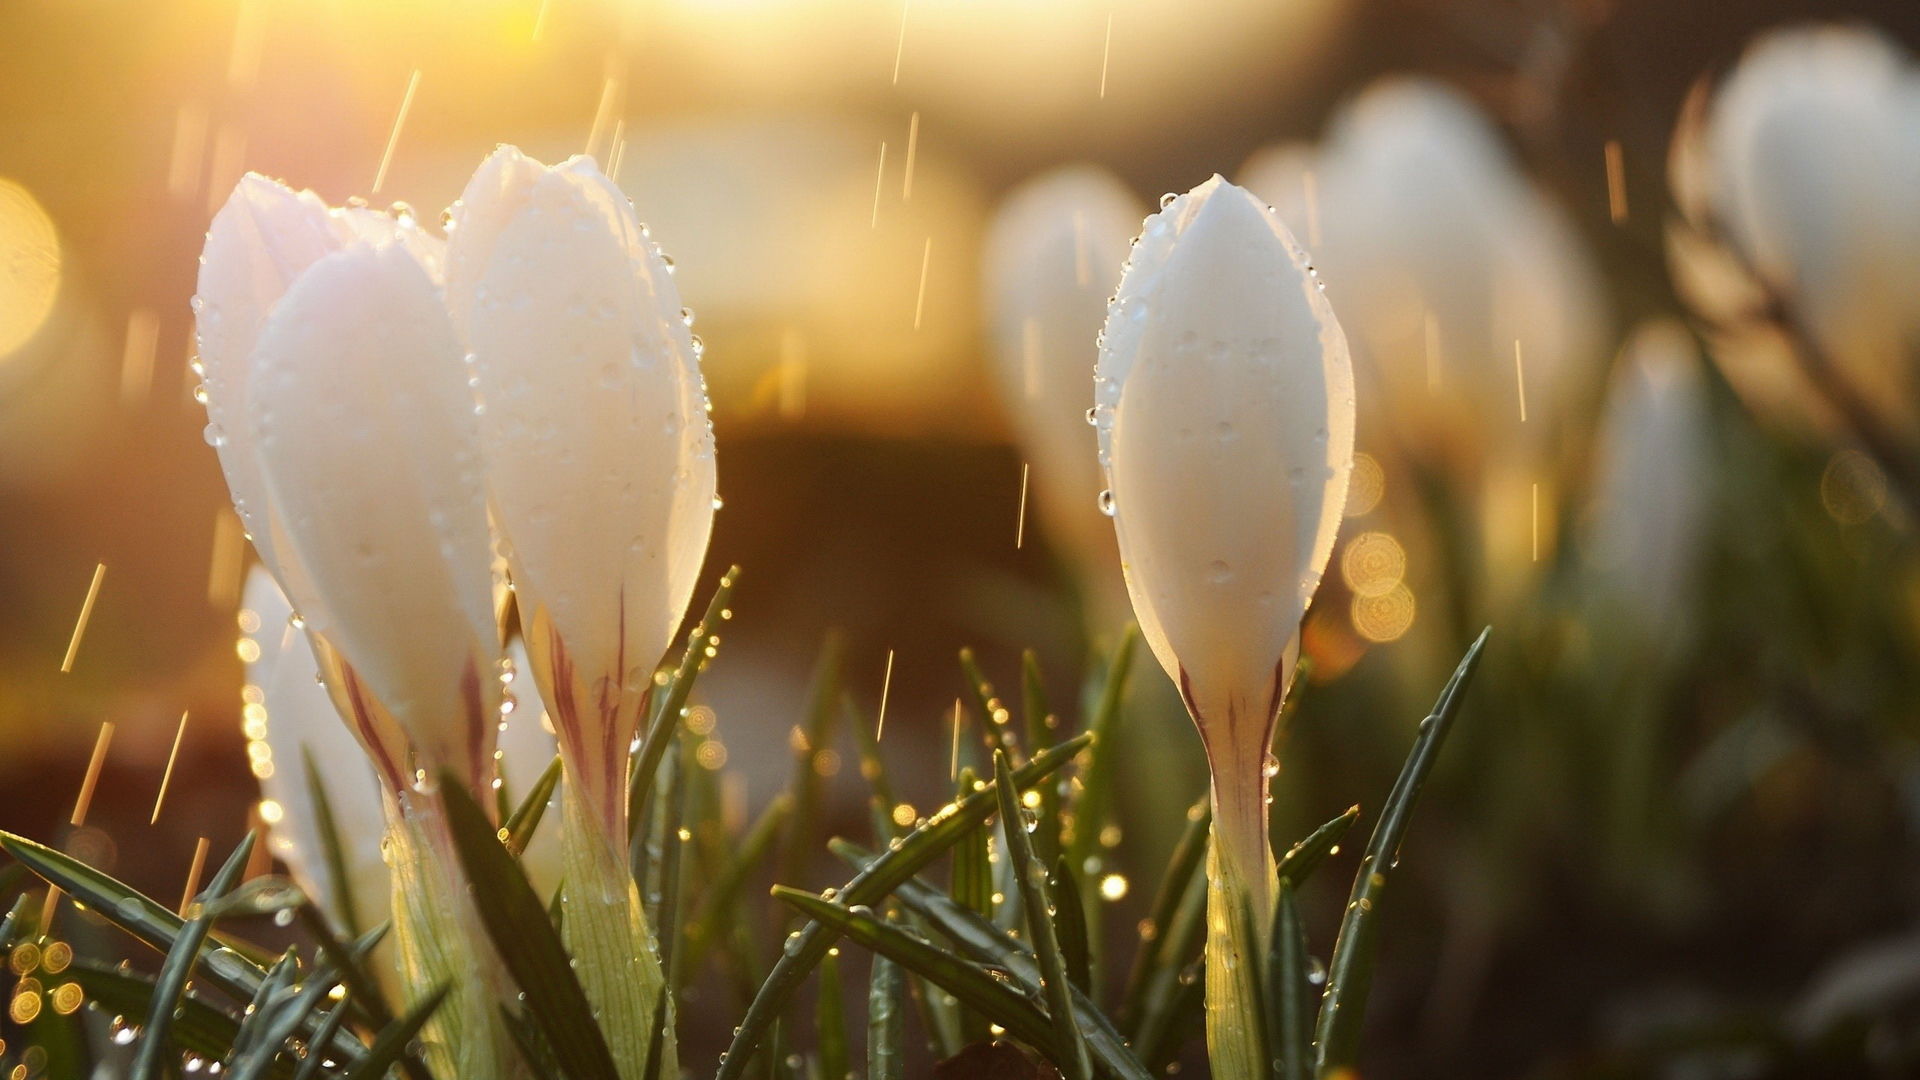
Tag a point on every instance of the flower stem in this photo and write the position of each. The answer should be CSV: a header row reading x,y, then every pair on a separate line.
x,y
1241,882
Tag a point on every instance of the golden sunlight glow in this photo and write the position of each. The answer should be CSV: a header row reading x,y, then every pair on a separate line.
x,y
1373,564
1386,617
29,266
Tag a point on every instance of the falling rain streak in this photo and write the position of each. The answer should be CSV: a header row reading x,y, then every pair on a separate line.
x,y
900,46
229,553
1020,525
886,685
86,613
194,870
166,777
953,766
1520,379
399,122
1106,56
920,302
1616,183
913,148
879,181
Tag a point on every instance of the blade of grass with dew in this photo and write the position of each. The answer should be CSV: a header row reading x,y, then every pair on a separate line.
x,y
179,964
526,817
991,946
310,1064
528,945
873,769
1031,876
331,849
15,924
1070,923
673,860
397,1036
1186,856
1096,776
198,1027
995,723
657,1039
281,1024
1289,996
253,1018
1042,727
718,910
830,1021
905,857
132,911
809,739
1303,858
531,1045
1178,947
365,997
970,882
666,714
965,980
1350,973
886,1026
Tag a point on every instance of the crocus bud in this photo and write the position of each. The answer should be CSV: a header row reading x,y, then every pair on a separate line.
x,y
1808,159
366,437
1651,490
1443,259
1224,403
582,353
1049,264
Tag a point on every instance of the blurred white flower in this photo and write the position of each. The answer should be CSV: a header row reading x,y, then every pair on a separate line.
x,y
1441,255
1224,404
580,349
1806,161
1652,487
1052,257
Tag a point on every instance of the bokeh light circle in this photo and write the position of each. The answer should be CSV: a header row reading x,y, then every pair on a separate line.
x,y
29,266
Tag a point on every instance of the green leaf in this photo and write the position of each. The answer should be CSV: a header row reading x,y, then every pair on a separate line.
x,y
1031,875
527,816
130,910
1303,858
179,964
971,878
657,1040
830,1021
1042,729
1350,974
1289,993
1096,776
1175,883
329,1027
811,737
666,715
886,1022
969,982
991,946
994,721
1178,947
528,945
331,848
1070,923
719,907
394,1039
912,853
667,918
278,1023
198,1027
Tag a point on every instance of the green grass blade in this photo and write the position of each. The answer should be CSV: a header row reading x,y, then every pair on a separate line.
x,y
130,910
830,1021
1042,729
527,816
667,918
331,849
666,713
1349,975
990,945
1174,882
886,1021
657,1041
1303,858
329,1027
969,982
1289,993
198,1027
280,1024
1179,946
995,723
810,738
394,1039
1070,923
364,995
719,908
528,945
873,769
871,885
1096,776
181,958
1031,876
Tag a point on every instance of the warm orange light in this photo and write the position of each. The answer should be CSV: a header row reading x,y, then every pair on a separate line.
x,y
29,266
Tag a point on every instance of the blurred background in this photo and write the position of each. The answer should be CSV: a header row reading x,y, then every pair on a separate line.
x,y
1675,834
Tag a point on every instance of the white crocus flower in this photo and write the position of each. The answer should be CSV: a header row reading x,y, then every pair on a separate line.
x,y
1807,159
583,355
1651,490
581,351
1225,409
1049,266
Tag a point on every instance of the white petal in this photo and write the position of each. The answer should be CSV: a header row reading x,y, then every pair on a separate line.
x,y
589,373
301,724
263,238
1227,446
367,437
1052,258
